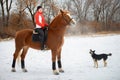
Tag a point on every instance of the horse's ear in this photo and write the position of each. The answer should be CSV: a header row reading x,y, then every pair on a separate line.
x,y
61,11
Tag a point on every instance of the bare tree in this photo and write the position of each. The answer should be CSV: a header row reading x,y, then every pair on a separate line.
x,y
78,7
31,5
3,12
86,8
113,11
8,8
96,9
51,9
115,6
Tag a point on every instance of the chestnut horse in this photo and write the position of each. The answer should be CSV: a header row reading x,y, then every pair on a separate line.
x,y
55,39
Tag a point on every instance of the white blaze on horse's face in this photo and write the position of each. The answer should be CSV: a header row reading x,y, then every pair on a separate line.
x,y
72,20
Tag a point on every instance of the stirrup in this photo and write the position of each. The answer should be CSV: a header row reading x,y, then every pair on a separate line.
x,y
42,47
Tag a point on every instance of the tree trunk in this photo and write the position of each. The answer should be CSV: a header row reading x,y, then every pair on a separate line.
x,y
3,13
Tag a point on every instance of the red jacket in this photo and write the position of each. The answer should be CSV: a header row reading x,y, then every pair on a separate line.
x,y
40,20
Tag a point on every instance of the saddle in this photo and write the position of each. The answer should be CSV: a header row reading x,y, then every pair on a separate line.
x,y
37,36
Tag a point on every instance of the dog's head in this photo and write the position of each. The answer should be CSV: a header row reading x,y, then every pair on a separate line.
x,y
92,51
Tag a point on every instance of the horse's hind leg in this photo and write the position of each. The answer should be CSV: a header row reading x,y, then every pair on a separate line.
x,y
14,58
24,52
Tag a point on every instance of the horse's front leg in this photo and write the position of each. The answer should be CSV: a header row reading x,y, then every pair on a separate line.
x,y
59,61
54,55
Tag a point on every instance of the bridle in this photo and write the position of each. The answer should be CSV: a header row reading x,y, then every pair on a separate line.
x,y
67,21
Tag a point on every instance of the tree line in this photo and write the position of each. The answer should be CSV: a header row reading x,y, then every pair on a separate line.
x,y
99,14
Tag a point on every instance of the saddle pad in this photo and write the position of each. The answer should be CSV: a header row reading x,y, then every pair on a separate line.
x,y
36,37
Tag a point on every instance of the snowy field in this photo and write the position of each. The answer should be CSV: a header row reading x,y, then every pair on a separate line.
x,y
76,60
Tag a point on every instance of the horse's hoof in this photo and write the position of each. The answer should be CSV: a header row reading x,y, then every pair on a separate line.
x,y
55,72
13,70
24,70
61,70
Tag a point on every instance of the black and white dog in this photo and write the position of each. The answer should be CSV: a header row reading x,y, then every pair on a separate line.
x,y
97,57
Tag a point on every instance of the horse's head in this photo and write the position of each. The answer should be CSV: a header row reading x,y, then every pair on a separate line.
x,y
67,17
61,20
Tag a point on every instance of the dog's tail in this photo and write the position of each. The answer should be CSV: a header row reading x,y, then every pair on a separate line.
x,y
110,54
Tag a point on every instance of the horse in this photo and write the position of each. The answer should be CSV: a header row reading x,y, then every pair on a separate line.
x,y
55,40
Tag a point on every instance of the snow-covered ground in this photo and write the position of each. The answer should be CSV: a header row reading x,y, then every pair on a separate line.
x,y
76,60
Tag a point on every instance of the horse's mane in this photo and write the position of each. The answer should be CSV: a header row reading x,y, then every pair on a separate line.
x,y
54,19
